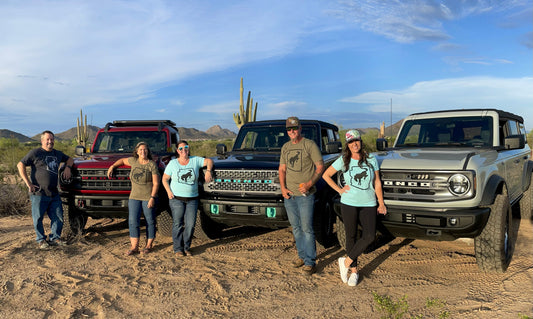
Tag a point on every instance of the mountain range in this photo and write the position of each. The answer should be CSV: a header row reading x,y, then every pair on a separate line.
x,y
213,133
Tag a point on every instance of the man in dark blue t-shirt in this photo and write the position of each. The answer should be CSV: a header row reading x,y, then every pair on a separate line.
x,y
44,195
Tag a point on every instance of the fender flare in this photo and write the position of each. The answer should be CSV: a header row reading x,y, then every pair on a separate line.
x,y
527,174
492,187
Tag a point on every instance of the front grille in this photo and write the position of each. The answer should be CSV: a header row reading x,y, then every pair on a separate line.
x,y
422,186
96,179
244,182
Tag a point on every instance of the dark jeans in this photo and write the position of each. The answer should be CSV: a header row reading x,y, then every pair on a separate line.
x,y
41,205
300,213
366,217
135,208
184,220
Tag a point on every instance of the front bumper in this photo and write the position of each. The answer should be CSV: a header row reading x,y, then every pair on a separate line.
x,y
269,213
100,206
431,223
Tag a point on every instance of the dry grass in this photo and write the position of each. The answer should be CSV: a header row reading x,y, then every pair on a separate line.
x,y
14,199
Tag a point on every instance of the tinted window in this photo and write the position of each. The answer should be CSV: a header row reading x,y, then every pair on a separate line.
x,y
453,131
125,142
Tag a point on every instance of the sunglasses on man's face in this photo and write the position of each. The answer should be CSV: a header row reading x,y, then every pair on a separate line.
x,y
292,128
183,147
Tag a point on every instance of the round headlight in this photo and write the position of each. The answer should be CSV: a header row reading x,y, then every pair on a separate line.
x,y
458,184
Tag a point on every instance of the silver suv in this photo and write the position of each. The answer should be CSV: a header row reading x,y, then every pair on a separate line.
x,y
457,173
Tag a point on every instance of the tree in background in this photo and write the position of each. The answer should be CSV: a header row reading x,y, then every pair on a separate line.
x,y
245,115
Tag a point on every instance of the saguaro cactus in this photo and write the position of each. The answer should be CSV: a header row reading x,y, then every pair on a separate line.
x,y
81,126
245,115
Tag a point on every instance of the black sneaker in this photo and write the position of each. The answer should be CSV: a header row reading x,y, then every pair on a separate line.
x,y
58,242
43,244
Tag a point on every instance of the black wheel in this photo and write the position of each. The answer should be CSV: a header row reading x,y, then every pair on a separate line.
x,y
164,223
323,222
341,233
205,228
525,202
74,221
494,247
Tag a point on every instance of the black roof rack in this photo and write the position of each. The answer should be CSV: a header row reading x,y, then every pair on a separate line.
x,y
125,123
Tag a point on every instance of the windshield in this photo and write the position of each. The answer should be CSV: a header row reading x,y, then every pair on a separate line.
x,y
125,141
265,138
450,131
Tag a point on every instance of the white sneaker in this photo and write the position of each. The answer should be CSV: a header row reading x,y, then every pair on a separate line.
x,y
354,277
343,270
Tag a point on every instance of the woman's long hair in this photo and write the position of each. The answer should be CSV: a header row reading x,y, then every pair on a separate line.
x,y
347,155
137,148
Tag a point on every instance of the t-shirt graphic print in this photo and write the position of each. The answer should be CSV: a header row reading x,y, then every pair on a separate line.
x,y
52,164
295,160
186,176
140,175
359,177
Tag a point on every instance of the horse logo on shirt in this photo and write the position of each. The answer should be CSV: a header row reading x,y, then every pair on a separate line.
x,y
294,160
186,176
359,177
52,164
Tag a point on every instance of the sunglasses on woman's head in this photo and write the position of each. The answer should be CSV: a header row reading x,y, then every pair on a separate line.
x,y
183,147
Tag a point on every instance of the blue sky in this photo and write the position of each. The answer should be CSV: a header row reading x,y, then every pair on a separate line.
x,y
339,61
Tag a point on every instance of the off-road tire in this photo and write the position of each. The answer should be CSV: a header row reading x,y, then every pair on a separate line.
x,y
341,233
164,223
73,222
323,223
525,202
205,228
494,246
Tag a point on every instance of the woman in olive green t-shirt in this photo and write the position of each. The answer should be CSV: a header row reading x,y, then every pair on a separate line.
x,y
144,177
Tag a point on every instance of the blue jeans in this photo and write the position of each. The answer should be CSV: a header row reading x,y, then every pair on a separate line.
x,y
184,219
41,205
300,212
134,220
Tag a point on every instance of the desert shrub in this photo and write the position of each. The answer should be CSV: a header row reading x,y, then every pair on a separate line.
x,y
207,148
397,309
14,198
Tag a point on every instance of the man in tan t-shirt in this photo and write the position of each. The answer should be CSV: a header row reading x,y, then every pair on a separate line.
x,y
300,167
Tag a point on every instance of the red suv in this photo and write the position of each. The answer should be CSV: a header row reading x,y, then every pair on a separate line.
x,y
90,193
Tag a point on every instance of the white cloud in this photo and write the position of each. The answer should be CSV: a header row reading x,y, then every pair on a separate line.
x,y
413,20
513,95
64,54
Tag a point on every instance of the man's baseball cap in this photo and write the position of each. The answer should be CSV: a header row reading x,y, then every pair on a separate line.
x,y
292,122
353,135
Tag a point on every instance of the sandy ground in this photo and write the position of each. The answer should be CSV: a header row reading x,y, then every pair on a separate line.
x,y
247,274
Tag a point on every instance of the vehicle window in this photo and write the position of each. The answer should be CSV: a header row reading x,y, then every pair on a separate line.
x,y
453,131
523,130
268,137
513,128
125,141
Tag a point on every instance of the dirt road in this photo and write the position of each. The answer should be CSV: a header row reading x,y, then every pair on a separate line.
x,y
248,276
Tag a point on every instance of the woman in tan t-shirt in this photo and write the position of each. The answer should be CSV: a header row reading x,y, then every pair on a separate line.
x,y
144,177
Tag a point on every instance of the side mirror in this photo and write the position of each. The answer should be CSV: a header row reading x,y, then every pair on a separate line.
x,y
515,142
333,147
382,144
80,150
221,149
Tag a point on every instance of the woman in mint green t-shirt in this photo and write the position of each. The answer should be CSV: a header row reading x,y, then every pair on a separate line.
x,y
361,200
181,183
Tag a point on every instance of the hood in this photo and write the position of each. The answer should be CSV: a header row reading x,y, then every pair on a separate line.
x,y
426,159
251,160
